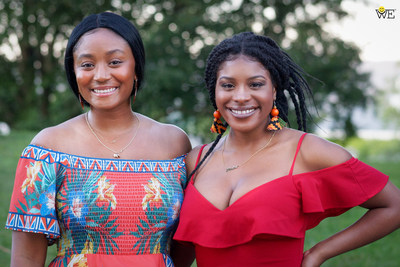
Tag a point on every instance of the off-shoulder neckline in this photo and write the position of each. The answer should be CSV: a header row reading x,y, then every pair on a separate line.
x,y
98,158
347,162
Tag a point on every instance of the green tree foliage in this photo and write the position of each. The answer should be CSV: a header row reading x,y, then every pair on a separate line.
x,y
389,99
33,37
178,35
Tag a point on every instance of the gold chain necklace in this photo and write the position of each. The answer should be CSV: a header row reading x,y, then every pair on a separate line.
x,y
116,153
234,167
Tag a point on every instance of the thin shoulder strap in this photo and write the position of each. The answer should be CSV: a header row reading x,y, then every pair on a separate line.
x,y
297,151
199,155
197,161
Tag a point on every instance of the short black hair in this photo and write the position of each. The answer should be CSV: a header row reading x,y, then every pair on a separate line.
x,y
117,24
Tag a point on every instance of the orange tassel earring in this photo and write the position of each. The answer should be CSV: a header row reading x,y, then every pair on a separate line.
x,y
275,123
217,126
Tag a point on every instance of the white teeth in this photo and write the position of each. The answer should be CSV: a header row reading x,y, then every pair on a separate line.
x,y
240,112
104,91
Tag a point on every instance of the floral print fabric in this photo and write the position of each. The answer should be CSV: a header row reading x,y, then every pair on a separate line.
x,y
92,206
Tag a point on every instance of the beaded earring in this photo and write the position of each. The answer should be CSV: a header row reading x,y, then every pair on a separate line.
x,y
217,126
275,123
81,101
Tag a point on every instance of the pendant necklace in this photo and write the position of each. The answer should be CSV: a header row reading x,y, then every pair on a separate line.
x,y
234,167
116,153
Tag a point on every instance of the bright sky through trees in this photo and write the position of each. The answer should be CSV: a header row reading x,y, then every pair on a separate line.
x,y
378,38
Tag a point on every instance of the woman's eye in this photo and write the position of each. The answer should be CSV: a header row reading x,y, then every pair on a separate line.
x,y
227,85
87,65
115,62
256,85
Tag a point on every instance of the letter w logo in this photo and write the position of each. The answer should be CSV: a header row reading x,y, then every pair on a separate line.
x,y
387,14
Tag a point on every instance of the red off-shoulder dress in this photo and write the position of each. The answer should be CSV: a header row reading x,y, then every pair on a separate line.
x,y
266,226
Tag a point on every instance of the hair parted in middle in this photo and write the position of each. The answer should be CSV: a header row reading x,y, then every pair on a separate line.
x,y
286,75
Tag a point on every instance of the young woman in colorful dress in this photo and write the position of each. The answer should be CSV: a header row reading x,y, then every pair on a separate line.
x,y
255,191
107,185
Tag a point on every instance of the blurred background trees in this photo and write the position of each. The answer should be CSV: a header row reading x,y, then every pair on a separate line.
x,y
178,35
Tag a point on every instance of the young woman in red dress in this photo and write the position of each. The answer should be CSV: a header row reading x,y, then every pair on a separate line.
x,y
255,191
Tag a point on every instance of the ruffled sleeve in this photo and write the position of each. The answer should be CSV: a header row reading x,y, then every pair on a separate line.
x,y
332,191
32,207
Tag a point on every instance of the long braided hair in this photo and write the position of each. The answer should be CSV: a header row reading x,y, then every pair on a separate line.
x,y
286,75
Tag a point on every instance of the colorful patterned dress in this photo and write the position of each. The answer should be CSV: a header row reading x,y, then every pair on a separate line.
x,y
100,212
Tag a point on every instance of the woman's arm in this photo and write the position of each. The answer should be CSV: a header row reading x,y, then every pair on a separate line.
x,y
382,218
182,255
28,249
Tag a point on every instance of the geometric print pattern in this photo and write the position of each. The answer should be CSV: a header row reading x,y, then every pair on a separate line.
x,y
98,206
118,165
168,261
33,223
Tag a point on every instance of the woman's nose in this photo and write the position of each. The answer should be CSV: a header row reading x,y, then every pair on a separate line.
x,y
102,73
241,93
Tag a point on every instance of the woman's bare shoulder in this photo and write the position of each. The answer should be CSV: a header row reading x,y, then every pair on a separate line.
x,y
192,157
56,137
318,153
168,136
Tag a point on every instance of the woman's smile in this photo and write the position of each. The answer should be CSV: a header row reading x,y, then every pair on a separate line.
x,y
242,113
104,91
244,93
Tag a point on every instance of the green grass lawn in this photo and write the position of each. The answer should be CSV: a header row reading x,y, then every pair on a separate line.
x,y
384,155
10,150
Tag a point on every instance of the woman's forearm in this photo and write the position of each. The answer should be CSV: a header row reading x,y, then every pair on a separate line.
x,y
382,218
28,249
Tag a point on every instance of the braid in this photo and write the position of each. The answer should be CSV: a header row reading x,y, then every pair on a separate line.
x,y
217,56
285,74
282,105
296,107
214,144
